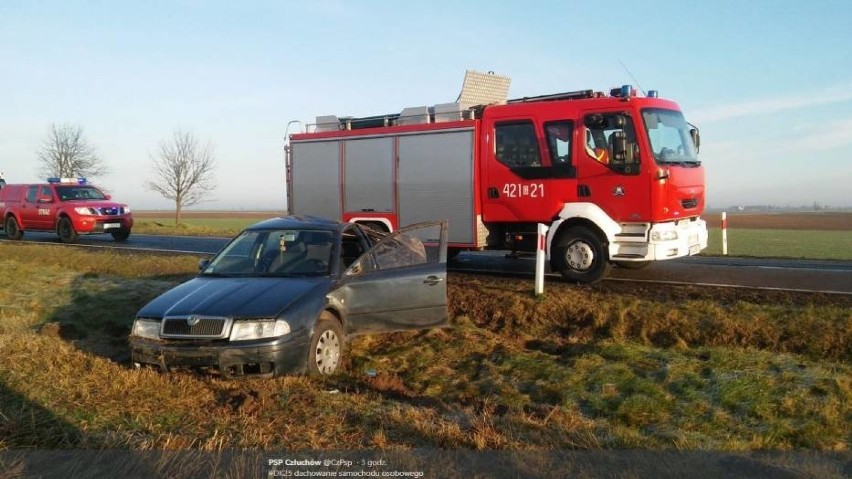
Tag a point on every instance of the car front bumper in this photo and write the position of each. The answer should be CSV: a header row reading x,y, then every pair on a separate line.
x,y
102,224
660,241
257,358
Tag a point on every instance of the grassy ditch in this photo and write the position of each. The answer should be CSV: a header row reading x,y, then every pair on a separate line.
x,y
604,367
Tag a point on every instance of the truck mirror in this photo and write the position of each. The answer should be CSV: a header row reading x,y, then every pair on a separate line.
x,y
696,138
619,146
203,263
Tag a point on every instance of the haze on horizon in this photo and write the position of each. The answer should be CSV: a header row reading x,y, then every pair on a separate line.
x,y
768,83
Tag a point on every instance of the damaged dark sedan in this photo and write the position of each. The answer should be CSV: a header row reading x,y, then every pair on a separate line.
x,y
285,295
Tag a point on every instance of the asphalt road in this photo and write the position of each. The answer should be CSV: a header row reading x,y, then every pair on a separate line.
x,y
788,274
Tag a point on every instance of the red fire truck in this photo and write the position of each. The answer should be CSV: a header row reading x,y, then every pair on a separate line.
x,y
615,176
68,206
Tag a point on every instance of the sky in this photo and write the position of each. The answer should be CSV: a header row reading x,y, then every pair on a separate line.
x,y
769,83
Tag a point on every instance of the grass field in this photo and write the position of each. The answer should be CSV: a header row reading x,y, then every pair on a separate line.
x,y
193,226
814,244
783,235
603,367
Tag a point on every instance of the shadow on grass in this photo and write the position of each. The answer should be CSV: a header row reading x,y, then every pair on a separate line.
x,y
99,316
27,425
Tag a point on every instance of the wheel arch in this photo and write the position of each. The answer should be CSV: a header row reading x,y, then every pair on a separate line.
x,y
588,215
59,215
11,214
336,313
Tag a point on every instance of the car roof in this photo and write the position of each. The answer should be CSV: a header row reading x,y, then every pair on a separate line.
x,y
299,222
27,185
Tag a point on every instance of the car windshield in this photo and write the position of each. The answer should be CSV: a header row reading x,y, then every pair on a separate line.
x,y
276,252
669,134
74,193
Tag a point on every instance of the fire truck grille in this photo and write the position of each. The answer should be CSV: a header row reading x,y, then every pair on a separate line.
x,y
194,327
112,211
689,203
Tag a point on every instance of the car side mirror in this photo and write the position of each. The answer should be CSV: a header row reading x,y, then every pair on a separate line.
x,y
108,197
203,263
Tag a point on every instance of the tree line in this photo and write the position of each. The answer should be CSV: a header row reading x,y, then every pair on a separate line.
x,y
183,167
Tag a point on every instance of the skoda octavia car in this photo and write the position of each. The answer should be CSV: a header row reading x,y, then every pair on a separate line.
x,y
286,293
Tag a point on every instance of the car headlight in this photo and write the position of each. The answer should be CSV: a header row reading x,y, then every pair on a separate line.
x,y
82,210
245,330
667,235
146,328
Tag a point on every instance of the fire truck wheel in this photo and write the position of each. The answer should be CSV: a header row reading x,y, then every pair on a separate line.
x,y
13,231
580,256
325,355
632,264
120,235
65,230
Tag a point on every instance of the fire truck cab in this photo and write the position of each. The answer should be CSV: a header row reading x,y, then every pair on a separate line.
x,y
615,177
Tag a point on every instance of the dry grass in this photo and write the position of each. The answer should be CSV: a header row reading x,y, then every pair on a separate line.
x,y
605,367
664,316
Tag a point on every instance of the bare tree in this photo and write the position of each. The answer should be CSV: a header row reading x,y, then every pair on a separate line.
x,y
66,153
183,171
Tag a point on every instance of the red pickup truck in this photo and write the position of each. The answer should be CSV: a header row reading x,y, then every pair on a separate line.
x,y
68,206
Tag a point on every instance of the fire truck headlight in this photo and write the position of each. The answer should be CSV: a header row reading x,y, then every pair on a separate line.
x,y
85,211
669,235
146,328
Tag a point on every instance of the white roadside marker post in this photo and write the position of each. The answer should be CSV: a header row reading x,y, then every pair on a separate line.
x,y
724,234
539,259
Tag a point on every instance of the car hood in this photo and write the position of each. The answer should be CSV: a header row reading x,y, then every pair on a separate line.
x,y
234,297
96,203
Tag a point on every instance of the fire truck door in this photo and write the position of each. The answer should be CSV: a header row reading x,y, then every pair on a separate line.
x,y
517,180
30,210
369,171
609,167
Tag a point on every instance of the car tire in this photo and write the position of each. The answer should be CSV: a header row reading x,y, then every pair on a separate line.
x,y
325,356
120,235
65,230
13,230
632,264
580,256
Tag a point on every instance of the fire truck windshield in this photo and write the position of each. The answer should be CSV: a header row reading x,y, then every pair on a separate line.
x,y
669,134
74,193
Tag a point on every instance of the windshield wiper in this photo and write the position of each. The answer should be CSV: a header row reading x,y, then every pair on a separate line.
x,y
673,161
219,275
689,163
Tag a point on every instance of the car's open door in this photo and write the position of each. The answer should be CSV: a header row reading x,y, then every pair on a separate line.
x,y
400,283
